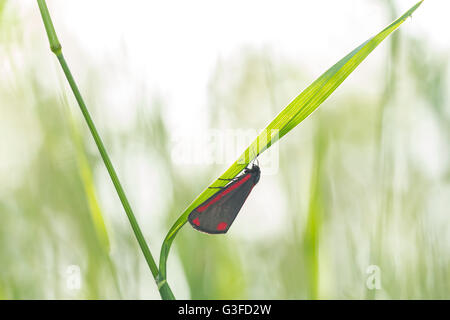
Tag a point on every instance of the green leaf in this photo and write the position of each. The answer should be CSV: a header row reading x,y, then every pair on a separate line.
x,y
294,113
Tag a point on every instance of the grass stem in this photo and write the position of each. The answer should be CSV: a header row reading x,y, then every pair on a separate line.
x,y
56,48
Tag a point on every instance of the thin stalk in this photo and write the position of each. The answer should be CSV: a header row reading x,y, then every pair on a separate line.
x,y
55,46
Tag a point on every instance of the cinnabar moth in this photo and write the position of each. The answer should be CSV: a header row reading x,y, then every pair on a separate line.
x,y
216,214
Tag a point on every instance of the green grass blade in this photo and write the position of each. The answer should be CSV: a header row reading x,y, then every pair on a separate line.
x,y
300,108
89,187
87,180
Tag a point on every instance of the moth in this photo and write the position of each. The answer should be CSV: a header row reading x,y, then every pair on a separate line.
x,y
217,213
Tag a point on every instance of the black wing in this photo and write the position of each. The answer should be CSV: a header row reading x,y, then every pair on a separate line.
x,y
216,214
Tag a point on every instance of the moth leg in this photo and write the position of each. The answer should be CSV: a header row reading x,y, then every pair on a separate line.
x,y
223,180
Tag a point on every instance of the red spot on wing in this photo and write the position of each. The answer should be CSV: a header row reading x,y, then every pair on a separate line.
x,y
196,221
223,193
221,226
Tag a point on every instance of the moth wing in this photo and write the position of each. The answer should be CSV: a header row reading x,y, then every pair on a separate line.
x,y
218,217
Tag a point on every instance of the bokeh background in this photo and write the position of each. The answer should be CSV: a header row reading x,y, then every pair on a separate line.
x,y
362,186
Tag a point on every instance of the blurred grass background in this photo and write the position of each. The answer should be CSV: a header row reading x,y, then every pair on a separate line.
x,y
364,181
